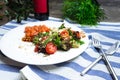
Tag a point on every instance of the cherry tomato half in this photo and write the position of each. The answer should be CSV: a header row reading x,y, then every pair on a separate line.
x,y
50,48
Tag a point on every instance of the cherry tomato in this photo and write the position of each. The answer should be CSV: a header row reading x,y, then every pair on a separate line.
x,y
50,48
64,33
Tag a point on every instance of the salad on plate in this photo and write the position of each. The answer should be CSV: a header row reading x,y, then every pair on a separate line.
x,y
49,40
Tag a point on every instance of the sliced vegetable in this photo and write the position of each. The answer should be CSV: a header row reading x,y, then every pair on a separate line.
x,y
50,48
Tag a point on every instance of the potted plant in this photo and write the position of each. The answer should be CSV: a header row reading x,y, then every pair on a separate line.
x,y
1,16
1,5
84,12
19,9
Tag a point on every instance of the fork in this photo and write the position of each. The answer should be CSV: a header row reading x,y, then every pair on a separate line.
x,y
98,47
110,51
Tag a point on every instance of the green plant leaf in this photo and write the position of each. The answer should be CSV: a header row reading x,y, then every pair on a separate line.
x,y
85,12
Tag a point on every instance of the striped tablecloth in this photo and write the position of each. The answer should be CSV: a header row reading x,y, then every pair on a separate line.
x,y
108,33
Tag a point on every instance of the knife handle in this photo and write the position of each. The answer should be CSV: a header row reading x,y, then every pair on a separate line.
x,y
108,65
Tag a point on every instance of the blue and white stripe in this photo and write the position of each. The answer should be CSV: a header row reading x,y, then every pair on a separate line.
x,y
107,32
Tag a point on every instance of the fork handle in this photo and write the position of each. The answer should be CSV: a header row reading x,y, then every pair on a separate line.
x,y
90,66
109,67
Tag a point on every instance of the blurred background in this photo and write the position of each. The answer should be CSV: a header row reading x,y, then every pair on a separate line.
x,y
110,7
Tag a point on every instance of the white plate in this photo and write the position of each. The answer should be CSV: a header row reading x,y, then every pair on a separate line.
x,y
13,47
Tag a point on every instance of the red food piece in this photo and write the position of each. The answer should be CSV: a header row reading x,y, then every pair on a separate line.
x,y
36,48
50,48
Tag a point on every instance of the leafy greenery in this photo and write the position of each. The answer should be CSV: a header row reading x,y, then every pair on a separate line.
x,y
62,26
19,9
1,5
85,12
